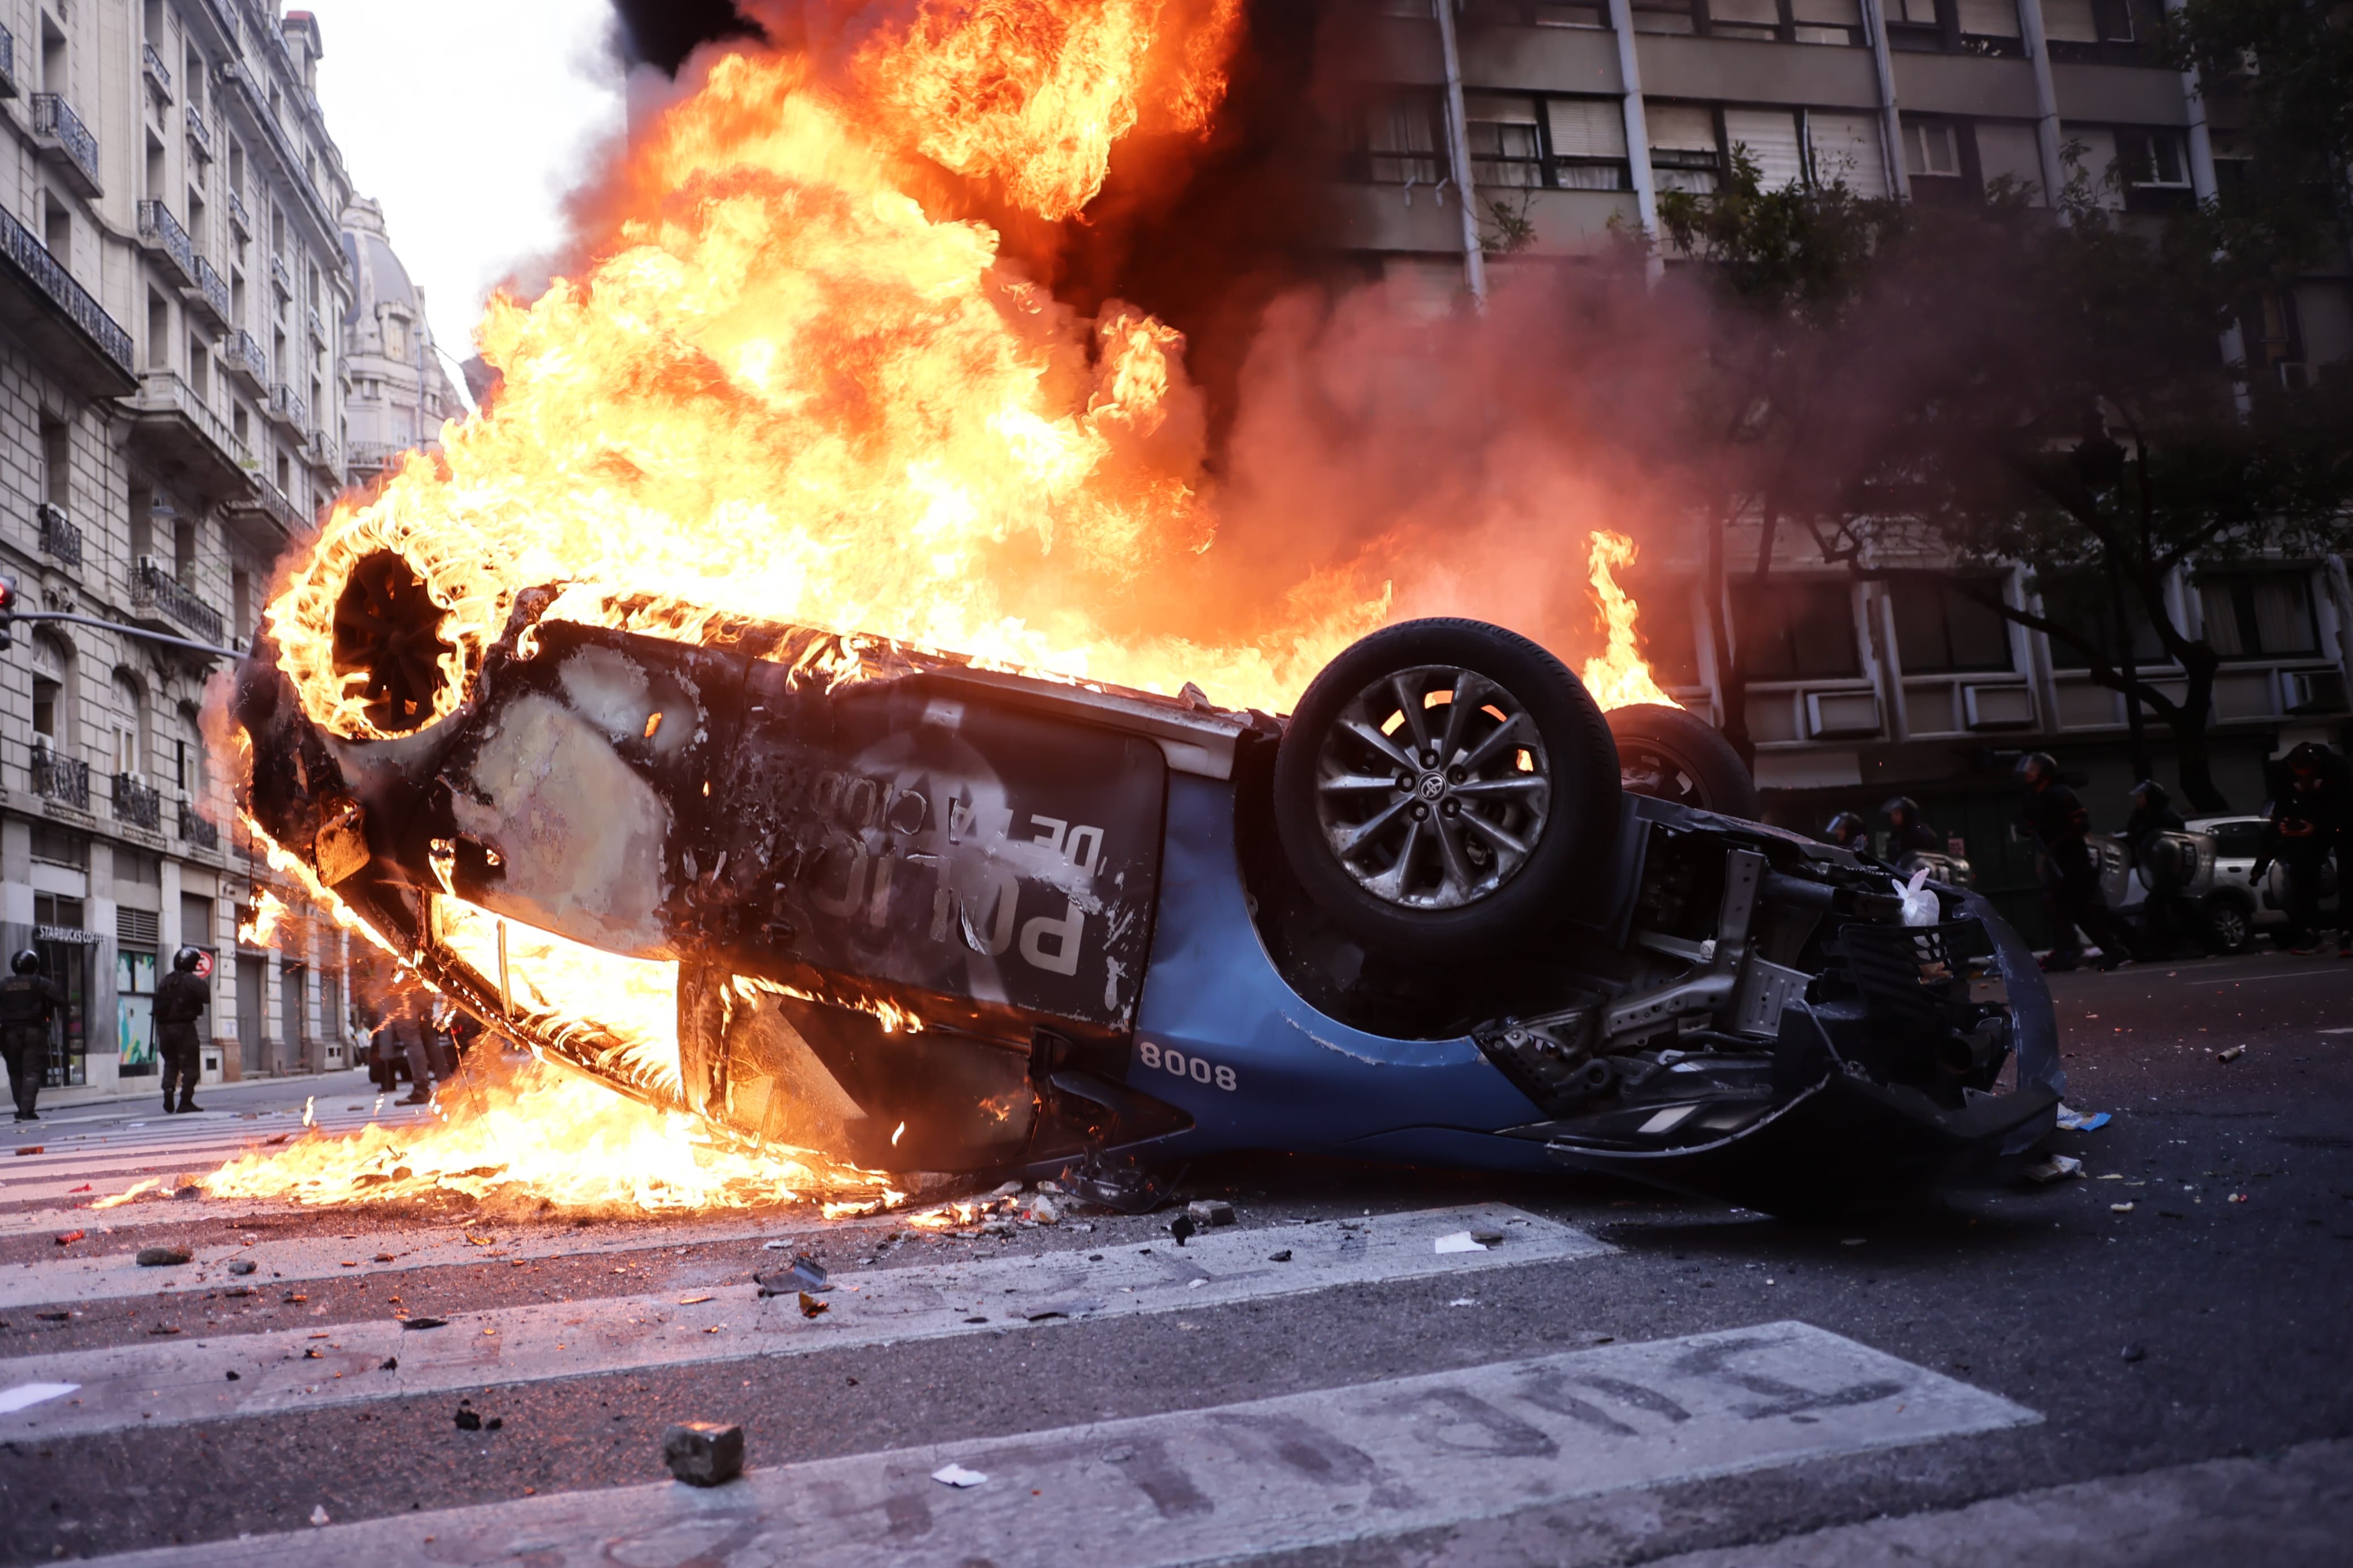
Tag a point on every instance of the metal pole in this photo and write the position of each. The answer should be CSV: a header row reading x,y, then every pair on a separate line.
x,y
2203,184
2046,100
129,632
1638,132
1891,123
1458,158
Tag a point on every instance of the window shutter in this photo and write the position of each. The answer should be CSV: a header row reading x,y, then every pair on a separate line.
x,y
1681,128
2007,147
1771,137
135,928
1587,127
1846,147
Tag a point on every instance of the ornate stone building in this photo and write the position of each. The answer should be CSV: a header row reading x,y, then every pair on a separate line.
x,y
171,389
400,389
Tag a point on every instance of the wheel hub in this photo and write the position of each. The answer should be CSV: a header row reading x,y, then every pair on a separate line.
x,y
1432,787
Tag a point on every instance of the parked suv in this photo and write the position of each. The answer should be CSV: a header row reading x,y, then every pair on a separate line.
x,y
2204,870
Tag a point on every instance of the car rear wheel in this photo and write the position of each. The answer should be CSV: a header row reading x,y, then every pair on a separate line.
x,y
2229,925
1444,788
1674,754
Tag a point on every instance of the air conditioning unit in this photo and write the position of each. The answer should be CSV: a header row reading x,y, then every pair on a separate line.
x,y
1998,707
1841,715
2312,691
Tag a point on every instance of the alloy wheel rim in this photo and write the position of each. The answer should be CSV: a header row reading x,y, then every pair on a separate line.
x,y
1432,788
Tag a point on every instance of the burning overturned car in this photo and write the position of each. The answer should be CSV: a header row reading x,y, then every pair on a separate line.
x,y
838,893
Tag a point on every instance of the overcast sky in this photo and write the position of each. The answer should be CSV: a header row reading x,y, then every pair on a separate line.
x,y
468,119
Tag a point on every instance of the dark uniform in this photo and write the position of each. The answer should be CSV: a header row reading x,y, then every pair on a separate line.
x,y
180,997
2164,913
2071,874
411,1017
28,1002
1906,833
2308,823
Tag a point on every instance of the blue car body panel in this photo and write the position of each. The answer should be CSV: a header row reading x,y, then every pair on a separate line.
x,y
1300,1081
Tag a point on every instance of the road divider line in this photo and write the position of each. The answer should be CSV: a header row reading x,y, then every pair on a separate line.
x,y
1289,1474
150,1386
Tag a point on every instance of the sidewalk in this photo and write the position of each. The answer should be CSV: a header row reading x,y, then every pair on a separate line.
x,y
151,1089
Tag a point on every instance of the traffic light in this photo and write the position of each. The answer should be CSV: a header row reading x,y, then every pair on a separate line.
x,y
8,612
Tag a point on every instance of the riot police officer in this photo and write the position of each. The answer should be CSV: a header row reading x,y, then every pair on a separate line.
x,y
1907,834
1847,831
28,1000
2071,868
180,997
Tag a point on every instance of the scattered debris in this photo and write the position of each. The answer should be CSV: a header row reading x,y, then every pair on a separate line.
x,y
71,1236
806,1277
468,1421
812,1307
2073,1120
53,1317
163,1257
2057,1168
383,1258
422,1322
2234,1054
693,1300
1463,1301
2134,1352
234,1377
1040,1210
1063,1310
30,1149
703,1452
164,1329
2120,1209
1488,1238
1207,1211
1459,1241
1282,1257
1126,1188
319,1514
1180,1227
242,1266
958,1475
390,1364
2236,1198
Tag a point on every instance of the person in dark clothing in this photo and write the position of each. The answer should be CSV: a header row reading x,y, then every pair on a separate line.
x,y
2310,815
29,1000
1906,833
2166,913
1847,831
2071,868
181,997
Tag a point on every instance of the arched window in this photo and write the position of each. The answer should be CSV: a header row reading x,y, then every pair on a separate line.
x,y
53,692
129,724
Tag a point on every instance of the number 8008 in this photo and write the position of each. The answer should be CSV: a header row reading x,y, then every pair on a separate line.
x,y
1199,1069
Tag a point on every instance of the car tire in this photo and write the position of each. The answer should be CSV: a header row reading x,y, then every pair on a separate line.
x,y
1418,857
2229,925
1674,754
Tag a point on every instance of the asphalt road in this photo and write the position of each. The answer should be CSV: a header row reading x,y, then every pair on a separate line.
x,y
2043,1375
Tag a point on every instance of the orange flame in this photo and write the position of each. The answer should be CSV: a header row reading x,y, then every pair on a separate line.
x,y
270,912
1619,677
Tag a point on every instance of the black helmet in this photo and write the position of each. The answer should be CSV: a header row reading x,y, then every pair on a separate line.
x,y
26,962
2152,794
186,961
2042,760
2306,756
1904,804
1845,828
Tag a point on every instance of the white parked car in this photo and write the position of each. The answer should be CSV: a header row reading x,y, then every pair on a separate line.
x,y
2204,870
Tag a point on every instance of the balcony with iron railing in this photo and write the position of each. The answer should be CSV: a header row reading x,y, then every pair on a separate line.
x,y
83,340
244,358
268,504
158,74
194,831
282,276
7,63
286,406
200,132
60,539
211,291
60,779
66,142
324,453
238,218
318,326
160,233
155,592
174,419
140,805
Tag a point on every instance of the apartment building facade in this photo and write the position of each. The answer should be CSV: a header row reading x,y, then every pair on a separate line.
x,y
400,391
1577,116
172,386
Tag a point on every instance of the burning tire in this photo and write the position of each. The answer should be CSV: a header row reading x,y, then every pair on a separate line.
x,y
1671,754
1442,787
388,633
